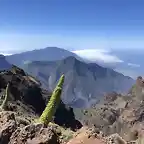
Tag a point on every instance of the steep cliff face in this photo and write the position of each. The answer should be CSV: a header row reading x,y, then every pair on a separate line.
x,y
84,83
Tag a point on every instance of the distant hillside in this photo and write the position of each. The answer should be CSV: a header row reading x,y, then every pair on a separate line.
x,y
116,113
4,65
84,84
131,65
46,54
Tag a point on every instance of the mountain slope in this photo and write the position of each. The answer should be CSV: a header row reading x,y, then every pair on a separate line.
x,y
4,65
46,54
29,100
116,113
84,83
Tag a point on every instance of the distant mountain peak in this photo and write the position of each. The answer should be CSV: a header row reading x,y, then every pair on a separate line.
x,y
45,54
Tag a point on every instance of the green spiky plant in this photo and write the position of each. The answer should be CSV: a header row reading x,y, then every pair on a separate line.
x,y
4,103
53,103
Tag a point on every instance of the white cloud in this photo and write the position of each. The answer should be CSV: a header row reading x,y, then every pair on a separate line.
x,y
133,65
5,54
98,55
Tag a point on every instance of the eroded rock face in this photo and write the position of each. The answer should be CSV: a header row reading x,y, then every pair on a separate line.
x,y
34,134
23,88
7,126
13,132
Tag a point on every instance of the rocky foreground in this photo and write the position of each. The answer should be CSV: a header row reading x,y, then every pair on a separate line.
x,y
115,120
27,101
119,114
16,130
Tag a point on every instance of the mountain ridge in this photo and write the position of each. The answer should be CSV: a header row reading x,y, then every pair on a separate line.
x,y
48,53
84,82
130,65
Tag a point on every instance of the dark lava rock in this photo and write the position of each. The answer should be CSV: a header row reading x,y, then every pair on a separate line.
x,y
27,96
65,117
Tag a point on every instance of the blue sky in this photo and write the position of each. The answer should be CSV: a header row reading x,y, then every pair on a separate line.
x,y
71,24
93,29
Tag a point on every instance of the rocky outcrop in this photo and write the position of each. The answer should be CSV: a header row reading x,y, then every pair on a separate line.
x,y
90,136
23,88
18,130
34,134
14,132
7,126
28,99
85,136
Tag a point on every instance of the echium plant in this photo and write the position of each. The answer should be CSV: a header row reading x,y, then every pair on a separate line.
x,y
53,103
4,103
